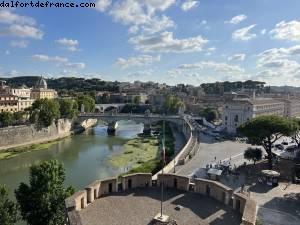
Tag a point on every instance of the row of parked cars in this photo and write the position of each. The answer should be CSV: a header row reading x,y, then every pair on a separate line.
x,y
286,149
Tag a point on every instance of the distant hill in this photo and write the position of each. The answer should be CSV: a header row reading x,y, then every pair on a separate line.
x,y
221,87
65,84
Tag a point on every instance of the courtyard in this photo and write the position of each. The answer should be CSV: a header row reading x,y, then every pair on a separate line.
x,y
139,206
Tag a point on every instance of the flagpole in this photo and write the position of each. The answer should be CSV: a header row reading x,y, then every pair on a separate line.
x,y
162,171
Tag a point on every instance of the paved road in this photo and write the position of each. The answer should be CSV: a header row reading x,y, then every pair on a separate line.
x,y
209,149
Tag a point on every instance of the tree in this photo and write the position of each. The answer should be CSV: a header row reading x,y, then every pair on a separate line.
x,y
266,130
19,117
173,104
8,209
253,154
87,101
44,112
6,119
68,108
42,201
137,100
209,114
296,135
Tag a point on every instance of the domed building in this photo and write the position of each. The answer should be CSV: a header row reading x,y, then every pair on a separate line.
x,y
41,91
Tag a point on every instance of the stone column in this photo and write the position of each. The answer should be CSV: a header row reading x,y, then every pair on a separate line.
x,y
147,129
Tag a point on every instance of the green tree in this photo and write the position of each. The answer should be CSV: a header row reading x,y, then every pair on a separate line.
x,y
44,112
209,114
253,154
296,135
266,130
6,119
8,209
172,104
87,101
137,100
68,108
19,117
42,201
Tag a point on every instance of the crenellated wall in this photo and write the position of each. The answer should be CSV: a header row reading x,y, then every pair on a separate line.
x,y
80,200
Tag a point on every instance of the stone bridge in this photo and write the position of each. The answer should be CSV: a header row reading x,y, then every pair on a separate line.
x,y
101,108
147,120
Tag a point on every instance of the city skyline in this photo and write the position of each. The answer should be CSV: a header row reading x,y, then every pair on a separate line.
x,y
172,41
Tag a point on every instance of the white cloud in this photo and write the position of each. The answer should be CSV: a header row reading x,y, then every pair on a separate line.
x,y
9,17
237,57
244,34
129,12
218,67
189,4
263,31
158,24
103,5
164,42
75,65
18,25
141,14
279,66
7,52
287,31
19,44
46,58
61,61
237,19
141,60
68,44
23,31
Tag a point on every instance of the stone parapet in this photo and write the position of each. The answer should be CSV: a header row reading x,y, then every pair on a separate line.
x,y
80,200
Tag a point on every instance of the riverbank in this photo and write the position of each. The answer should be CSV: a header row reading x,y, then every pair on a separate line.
x,y
34,140
13,152
142,154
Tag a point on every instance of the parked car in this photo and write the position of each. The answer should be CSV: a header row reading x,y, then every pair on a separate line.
x,y
279,146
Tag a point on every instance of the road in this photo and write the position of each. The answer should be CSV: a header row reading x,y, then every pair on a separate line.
x,y
209,149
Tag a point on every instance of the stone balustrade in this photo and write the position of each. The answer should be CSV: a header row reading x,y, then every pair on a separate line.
x,y
82,199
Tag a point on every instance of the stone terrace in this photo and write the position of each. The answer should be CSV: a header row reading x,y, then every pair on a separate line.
x,y
139,206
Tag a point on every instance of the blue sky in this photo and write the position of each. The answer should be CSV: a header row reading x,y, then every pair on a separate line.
x,y
172,41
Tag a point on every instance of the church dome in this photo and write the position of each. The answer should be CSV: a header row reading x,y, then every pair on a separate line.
x,y
41,83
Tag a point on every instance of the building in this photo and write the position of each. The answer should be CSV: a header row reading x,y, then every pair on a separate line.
x,y
41,91
22,92
8,103
238,111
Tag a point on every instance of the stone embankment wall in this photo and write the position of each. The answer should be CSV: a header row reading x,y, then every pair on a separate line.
x,y
188,151
25,135
238,201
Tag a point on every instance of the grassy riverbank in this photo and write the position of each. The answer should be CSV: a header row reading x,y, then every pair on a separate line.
x,y
13,152
142,154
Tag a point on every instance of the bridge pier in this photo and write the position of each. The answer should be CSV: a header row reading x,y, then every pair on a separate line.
x,y
147,129
111,129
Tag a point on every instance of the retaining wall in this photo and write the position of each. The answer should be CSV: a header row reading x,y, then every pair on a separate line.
x,y
29,134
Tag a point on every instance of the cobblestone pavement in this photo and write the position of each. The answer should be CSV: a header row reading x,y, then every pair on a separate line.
x,y
139,206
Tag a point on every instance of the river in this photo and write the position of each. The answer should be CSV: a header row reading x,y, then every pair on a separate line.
x,y
84,156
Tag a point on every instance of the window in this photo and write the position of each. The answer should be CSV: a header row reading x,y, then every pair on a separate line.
x,y
236,118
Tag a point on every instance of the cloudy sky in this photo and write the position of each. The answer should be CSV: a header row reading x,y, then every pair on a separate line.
x,y
173,41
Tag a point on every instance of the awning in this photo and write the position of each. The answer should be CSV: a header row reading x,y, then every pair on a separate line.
x,y
270,173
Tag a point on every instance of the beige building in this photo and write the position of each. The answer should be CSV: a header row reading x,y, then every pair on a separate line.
x,y
22,92
8,103
41,91
238,111
24,103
